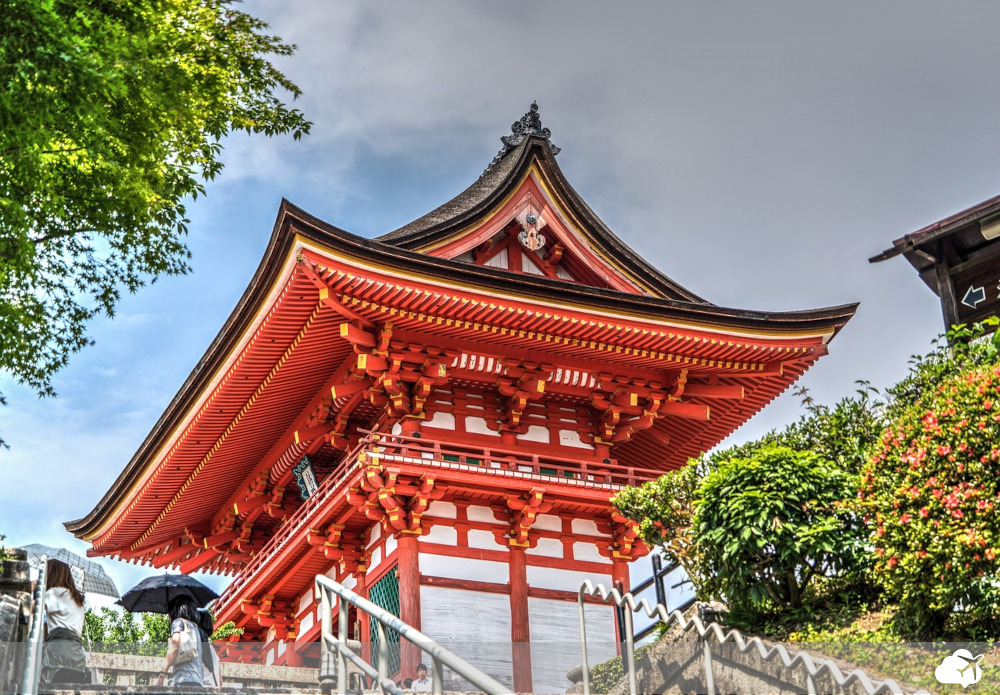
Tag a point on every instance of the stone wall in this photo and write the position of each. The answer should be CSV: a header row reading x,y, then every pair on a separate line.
x,y
676,666
15,602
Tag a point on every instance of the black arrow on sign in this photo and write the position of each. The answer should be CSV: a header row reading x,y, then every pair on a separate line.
x,y
973,296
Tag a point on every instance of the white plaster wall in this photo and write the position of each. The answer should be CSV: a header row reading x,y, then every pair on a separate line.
x,y
439,533
439,508
443,420
572,438
305,623
535,433
390,545
564,580
547,547
375,535
555,640
547,522
376,560
306,599
474,625
587,551
477,425
585,527
484,540
476,513
464,568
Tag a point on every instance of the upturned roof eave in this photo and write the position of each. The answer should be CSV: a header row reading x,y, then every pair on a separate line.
x,y
255,293
292,222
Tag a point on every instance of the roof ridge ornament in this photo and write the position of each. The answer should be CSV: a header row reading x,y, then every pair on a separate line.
x,y
530,124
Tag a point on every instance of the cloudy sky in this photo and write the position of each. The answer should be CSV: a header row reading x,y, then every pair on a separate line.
x,y
757,153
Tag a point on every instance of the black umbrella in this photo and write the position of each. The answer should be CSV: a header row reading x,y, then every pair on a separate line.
x,y
154,594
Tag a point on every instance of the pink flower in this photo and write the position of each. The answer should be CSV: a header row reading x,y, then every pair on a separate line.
x,y
923,512
943,450
957,513
904,519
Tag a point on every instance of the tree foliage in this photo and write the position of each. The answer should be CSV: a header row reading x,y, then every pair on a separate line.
x,y
111,118
123,632
768,524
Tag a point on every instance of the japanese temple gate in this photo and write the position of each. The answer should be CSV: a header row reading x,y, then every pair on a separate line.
x,y
438,418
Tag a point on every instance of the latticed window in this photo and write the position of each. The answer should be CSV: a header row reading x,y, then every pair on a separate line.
x,y
385,594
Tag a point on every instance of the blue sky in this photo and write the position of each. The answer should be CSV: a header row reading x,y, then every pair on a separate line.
x,y
756,153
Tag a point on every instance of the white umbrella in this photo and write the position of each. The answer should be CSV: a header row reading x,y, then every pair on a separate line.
x,y
89,576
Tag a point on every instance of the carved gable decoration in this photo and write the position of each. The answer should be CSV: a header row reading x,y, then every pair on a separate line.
x,y
531,235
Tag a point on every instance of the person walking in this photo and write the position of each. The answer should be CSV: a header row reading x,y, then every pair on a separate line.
x,y
63,658
184,650
211,675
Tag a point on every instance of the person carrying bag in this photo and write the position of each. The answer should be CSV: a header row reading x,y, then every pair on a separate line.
x,y
184,650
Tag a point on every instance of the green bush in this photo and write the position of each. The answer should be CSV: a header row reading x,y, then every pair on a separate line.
x,y
931,491
766,525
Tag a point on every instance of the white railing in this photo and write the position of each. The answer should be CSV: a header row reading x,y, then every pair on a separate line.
x,y
722,636
440,657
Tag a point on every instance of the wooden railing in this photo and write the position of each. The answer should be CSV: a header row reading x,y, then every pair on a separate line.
x,y
397,449
499,461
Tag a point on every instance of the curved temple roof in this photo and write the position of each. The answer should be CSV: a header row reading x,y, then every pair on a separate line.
x,y
283,341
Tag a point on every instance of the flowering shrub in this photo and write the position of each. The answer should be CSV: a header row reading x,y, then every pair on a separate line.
x,y
930,493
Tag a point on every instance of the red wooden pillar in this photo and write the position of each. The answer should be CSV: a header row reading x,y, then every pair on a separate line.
x,y
409,600
365,636
520,630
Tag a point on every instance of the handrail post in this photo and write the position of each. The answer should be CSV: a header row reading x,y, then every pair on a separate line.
x,y
630,652
326,634
383,655
342,650
583,644
437,676
33,660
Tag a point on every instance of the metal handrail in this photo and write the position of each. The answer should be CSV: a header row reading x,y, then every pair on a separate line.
x,y
440,656
722,636
33,662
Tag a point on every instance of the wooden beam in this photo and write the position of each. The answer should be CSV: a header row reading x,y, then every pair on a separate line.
x,y
714,391
945,287
193,564
690,411
247,506
174,554
661,437
348,389
220,539
357,336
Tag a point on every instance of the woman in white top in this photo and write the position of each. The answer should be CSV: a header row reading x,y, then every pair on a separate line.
x,y
63,660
